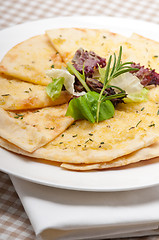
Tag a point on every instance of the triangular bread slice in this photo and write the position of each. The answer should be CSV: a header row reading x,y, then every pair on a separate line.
x,y
68,40
30,59
141,50
20,95
30,130
86,143
150,153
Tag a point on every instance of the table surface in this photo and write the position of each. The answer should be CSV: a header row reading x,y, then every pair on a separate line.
x,y
14,223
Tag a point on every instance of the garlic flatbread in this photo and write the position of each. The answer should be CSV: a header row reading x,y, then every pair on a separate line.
x,y
96,143
29,60
67,40
148,108
153,95
19,95
141,50
30,130
102,142
147,153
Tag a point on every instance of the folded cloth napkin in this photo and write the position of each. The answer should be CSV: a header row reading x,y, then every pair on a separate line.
x,y
62,214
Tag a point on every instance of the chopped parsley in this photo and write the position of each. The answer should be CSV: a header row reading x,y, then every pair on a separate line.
x,y
131,128
90,134
138,123
89,140
19,116
152,125
5,95
52,128
74,135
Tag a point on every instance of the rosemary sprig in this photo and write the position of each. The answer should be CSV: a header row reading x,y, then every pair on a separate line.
x,y
118,68
114,96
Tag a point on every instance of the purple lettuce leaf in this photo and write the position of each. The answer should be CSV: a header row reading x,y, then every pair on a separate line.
x,y
89,60
147,76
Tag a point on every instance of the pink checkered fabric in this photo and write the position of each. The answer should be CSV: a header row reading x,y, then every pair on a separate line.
x,y
19,11
14,223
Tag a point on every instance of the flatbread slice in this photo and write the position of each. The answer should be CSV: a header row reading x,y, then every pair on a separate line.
x,y
149,153
95,143
153,94
148,108
67,40
152,48
29,60
19,95
30,130
141,50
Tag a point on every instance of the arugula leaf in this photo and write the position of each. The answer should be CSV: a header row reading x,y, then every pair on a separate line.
x,y
54,88
85,107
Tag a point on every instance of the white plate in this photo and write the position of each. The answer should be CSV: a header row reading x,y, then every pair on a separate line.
x,y
132,177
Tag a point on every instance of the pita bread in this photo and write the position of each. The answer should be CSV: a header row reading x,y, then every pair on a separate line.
x,y
143,154
93,143
153,94
152,49
19,95
148,108
29,60
147,153
141,50
67,40
33,129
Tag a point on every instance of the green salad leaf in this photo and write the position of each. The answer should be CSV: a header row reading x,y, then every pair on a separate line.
x,y
137,97
85,107
96,106
101,74
54,88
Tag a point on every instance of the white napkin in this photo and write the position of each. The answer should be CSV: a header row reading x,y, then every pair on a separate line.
x,y
58,214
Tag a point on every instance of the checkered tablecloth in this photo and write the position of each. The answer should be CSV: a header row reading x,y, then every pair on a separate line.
x,y
14,223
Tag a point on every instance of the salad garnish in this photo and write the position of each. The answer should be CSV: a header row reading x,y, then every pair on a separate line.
x,y
97,86
54,88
